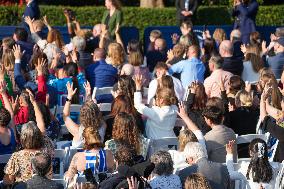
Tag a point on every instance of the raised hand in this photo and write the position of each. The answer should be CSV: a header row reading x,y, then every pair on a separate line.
x,y
170,54
132,183
175,38
230,147
2,72
17,52
31,95
70,91
29,21
45,21
87,88
74,56
15,102
40,66
243,48
182,112
193,87
138,81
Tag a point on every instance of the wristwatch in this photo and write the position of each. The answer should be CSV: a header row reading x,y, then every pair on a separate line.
x,y
68,100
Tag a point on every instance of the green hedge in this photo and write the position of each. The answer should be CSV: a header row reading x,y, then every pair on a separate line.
x,y
141,18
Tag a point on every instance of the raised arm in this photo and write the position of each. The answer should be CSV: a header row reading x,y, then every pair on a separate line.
x,y
19,79
42,87
38,114
190,125
45,21
117,36
72,127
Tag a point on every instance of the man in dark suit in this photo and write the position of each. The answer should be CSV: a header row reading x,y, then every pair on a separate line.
x,y
196,156
245,12
276,63
41,165
185,9
32,10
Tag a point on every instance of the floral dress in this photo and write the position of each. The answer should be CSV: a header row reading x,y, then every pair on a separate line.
x,y
19,164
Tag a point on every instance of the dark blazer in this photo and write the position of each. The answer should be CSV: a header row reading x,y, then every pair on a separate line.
x,y
233,65
180,6
269,125
28,48
276,64
245,19
32,10
42,182
216,173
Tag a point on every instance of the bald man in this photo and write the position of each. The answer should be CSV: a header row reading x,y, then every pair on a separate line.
x,y
231,63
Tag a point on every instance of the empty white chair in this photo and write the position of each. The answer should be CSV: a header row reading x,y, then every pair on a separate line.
x,y
73,108
168,143
5,158
105,107
242,139
61,155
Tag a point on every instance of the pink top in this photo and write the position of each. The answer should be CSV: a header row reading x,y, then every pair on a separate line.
x,y
211,83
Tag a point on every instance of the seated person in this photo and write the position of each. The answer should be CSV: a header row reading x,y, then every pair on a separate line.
x,y
158,54
163,176
93,156
258,172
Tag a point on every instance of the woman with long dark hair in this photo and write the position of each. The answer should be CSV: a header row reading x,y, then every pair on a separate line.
x,y
258,172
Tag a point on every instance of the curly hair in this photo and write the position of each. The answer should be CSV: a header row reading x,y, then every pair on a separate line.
x,y
92,138
31,136
163,163
127,87
125,129
125,154
26,98
196,181
5,117
259,167
90,115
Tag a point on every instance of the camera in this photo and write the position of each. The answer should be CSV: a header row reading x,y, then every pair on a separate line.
x,y
71,14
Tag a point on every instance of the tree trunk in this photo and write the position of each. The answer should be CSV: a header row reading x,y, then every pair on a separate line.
x,y
151,3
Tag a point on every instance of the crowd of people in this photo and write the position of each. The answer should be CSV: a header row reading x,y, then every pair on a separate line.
x,y
219,87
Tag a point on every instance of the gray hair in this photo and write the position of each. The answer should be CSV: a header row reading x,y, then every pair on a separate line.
x,y
195,150
163,163
79,43
31,136
226,47
41,164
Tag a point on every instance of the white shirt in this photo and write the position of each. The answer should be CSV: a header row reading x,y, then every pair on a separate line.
x,y
160,120
240,174
179,90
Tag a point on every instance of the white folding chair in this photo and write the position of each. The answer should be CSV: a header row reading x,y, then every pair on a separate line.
x,y
242,139
105,107
279,182
167,143
61,155
4,158
102,91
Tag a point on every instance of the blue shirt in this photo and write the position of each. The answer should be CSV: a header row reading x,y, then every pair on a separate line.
x,y
191,70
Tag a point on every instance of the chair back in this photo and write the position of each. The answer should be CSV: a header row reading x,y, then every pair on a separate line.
x,y
242,139
61,155
4,158
102,91
167,143
105,107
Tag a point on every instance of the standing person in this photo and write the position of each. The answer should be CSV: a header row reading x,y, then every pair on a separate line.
x,y
185,9
245,12
31,10
112,16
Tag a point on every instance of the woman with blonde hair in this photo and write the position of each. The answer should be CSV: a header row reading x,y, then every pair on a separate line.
x,y
93,157
162,116
219,35
115,56
196,181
